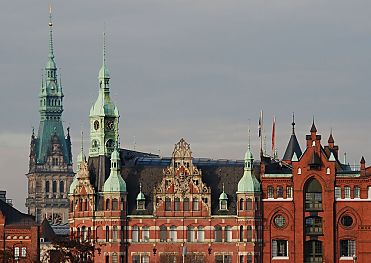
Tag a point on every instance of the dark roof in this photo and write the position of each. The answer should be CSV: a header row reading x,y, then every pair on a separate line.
x,y
15,217
330,139
313,128
46,231
292,147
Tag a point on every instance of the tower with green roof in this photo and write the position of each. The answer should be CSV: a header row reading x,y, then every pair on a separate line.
x,y
104,116
50,167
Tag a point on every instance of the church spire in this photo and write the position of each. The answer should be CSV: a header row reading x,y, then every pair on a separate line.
x,y
104,72
51,63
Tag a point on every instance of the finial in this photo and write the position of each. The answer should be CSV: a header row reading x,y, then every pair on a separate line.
x,y
104,45
82,141
293,123
249,135
313,129
140,187
51,51
223,187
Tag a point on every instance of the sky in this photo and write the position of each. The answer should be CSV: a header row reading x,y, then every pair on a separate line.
x,y
199,70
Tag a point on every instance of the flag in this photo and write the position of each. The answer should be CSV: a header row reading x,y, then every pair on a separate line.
x,y
273,134
260,123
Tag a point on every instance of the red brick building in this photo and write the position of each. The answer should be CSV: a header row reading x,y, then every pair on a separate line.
x,y
315,208
19,235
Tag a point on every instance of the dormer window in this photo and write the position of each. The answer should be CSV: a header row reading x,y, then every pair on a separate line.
x,y
141,204
223,205
313,143
141,199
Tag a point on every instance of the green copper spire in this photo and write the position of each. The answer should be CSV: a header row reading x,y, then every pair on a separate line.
x,y
115,183
50,107
104,115
248,183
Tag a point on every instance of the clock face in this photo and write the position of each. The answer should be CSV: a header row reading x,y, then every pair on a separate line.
x,y
110,125
96,125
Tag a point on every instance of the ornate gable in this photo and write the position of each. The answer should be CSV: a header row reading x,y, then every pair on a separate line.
x,y
182,181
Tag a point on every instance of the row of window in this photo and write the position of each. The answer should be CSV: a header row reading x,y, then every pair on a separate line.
x,y
280,192
51,102
169,206
193,234
248,204
313,249
20,252
347,192
53,185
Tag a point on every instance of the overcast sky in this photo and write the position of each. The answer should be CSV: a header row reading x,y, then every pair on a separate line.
x,y
194,69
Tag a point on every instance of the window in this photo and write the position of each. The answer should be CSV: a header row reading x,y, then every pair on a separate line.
x,y
89,233
223,204
177,204
280,221
313,196
347,192
167,204
114,204
328,171
241,233
163,233
279,248
195,204
337,192
228,234
241,259
114,258
190,234
200,234
145,234
241,204
289,192
249,259
313,251
347,248
16,252
218,233
299,170
279,192
107,204
186,204
54,186
23,252
223,259
173,234
114,233
135,234
369,192
107,233
141,204
357,192
270,192
313,225
107,258
248,204
249,233
61,187
83,233
136,259
47,187
347,221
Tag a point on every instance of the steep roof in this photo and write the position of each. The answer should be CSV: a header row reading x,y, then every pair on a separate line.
x,y
15,217
292,147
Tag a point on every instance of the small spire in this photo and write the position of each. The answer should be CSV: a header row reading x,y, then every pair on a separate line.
x,y
249,136
223,187
363,160
293,123
82,141
104,47
313,128
140,187
331,138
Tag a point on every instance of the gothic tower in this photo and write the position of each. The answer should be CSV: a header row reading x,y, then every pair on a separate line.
x,y
50,168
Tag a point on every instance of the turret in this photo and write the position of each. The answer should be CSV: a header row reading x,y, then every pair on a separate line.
x,y
293,147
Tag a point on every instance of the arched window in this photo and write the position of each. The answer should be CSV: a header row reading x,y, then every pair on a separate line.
x,y
114,233
195,204
249,233
299,170
61,186
81,205
163,233
357,192
248,204
107,233
242,205
177,203
200,234
114,204
173,234
89,234
85,204
186,204
167,204
108,204
228,234
78,233
190,234
279,192
313,195
270,192
145,234
54,186
328,171
218,233
83,233
241,234
47,186
135,234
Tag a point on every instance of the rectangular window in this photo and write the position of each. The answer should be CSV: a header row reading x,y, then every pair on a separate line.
x,y
289,192
347,192
279,248
23,252
241,259
195,204
279,192
177,204
145,259
186,204
223,259
347,248
337,192
270,192
167,204
16,252
136,259
145,234
357,192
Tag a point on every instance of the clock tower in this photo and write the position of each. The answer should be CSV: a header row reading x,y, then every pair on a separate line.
x,y
104,116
